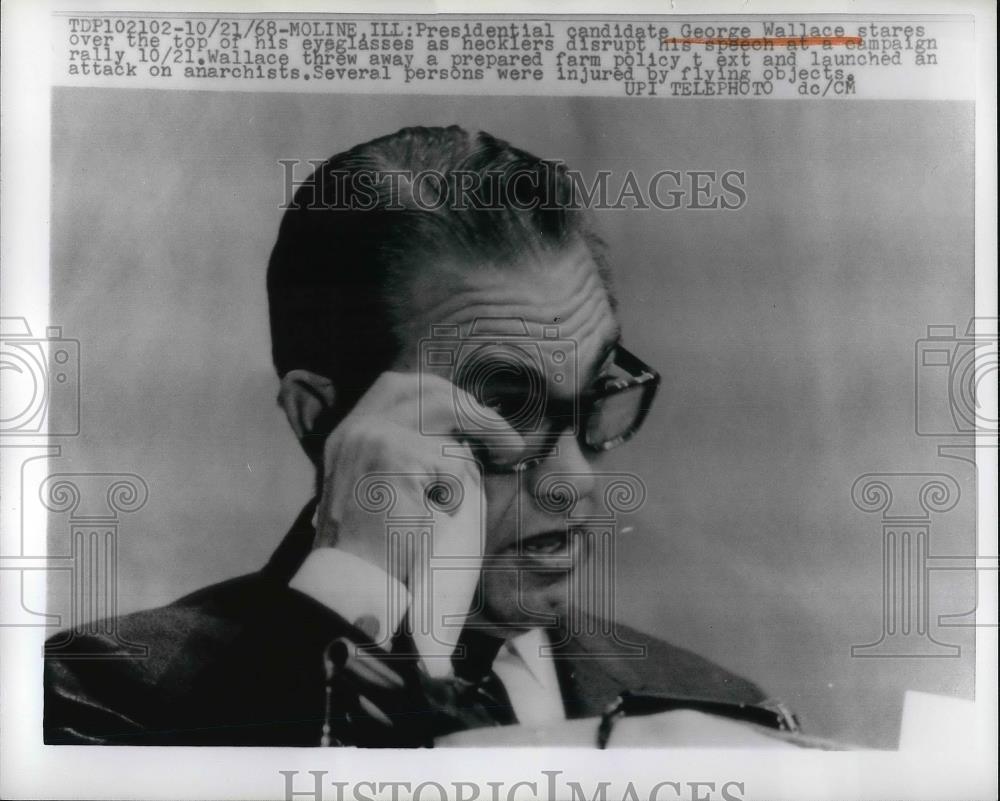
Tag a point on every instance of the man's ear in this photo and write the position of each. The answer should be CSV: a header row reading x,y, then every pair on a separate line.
x,y
307,399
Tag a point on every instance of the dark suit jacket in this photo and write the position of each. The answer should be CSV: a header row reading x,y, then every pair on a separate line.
x,y
241,663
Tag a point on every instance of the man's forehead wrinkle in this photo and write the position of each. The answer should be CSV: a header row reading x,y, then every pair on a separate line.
x,y
596,316
566,318
519,300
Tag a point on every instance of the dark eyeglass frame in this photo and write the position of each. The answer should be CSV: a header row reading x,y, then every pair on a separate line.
x,y
640,375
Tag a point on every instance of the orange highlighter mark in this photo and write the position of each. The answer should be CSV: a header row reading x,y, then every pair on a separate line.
x,y
764,41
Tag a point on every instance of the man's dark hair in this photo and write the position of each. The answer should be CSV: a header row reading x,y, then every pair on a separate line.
x,y
359,229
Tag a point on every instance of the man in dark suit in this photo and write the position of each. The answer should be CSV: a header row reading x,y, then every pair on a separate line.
x,y
450,359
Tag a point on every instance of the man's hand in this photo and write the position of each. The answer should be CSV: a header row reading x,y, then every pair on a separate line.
x,y
379,703
380,444
381,435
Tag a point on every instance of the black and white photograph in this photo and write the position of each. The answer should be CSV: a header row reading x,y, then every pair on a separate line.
x,y
459,392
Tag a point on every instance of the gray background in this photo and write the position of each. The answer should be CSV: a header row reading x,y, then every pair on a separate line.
x,y
784,332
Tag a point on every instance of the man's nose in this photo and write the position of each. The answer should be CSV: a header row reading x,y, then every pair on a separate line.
x,y
568,462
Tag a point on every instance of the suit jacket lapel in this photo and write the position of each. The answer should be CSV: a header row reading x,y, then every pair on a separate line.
x,y
589,681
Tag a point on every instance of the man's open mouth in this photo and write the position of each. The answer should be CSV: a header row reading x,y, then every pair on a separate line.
x,y
547,543
558,543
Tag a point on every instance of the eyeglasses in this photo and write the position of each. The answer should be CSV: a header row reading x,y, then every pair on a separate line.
x,y
604,416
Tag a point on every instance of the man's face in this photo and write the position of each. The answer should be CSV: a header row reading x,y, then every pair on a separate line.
x,y
530,556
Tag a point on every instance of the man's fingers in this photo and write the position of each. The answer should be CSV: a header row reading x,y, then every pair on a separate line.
x,y
373,711
369,669
433,406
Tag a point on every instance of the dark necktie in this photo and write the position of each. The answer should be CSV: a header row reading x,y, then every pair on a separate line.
x,y
473,663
